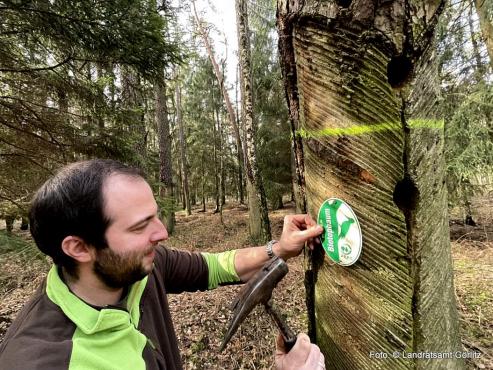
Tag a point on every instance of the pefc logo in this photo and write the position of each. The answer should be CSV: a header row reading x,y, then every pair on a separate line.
x,y
341,238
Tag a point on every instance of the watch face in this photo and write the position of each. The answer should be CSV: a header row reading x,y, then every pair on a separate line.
x,y
341,239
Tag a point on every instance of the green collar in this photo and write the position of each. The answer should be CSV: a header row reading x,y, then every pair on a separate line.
x,y
87,318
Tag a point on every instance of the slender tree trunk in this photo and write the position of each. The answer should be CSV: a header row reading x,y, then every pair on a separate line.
x,y
134,113
179,184
214,154
222,180
480,68
258,218
239,151
183,151
203,182
99,104
220,78
484,8
362,93
165,163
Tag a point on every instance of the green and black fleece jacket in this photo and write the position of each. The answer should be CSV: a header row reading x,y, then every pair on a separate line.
x,y
57,330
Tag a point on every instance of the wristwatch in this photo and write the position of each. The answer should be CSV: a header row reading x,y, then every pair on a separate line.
x,y
268,248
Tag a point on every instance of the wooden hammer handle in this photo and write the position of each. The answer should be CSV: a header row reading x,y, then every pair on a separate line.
x,y
287,334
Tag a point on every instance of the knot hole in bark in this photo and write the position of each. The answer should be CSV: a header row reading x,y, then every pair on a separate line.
x,y
399,71
406,195
344,3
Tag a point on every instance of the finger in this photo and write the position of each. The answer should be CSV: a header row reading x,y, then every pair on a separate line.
x,y
310,233
309,221
314,358
302,347
310,244
297,220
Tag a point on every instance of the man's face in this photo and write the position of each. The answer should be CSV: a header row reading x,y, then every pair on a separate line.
x,y
133,234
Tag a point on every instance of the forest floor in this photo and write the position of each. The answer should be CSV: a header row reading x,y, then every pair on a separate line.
x,y
201,318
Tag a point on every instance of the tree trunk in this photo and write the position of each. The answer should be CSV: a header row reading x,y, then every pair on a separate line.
x,y
203,182
239,149
165,163
258,218
9,224
485,15
214,154
362,93
479,68
222,179
134,114
183,153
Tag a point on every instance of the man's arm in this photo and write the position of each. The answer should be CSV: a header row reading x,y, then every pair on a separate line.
x,y
297,230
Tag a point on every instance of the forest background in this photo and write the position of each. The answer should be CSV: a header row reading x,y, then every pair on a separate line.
x,y
143,82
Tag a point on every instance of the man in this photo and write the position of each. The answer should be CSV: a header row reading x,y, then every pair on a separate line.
x,y
103,304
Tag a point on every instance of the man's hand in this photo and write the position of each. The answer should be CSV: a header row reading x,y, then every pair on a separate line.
x,y
296,231
303,356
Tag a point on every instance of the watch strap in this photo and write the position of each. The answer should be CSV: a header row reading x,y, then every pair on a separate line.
x,y
269,250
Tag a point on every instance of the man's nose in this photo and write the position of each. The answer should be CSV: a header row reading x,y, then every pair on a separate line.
x,y
160,233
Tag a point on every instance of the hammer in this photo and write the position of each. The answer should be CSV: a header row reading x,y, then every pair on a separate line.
x,y
257,290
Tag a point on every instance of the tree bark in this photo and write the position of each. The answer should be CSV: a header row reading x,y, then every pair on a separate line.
x,y
222,174
239,150
134,113
479,68
183,152
362,91
214,155
165,163
484,9
258,217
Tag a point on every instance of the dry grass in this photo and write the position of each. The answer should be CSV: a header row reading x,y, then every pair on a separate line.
x,y
473,268
201,318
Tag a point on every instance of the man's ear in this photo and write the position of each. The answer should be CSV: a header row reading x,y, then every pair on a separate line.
x,y
77,248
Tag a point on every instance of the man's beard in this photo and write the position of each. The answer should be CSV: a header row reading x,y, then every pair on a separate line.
x,y
119,270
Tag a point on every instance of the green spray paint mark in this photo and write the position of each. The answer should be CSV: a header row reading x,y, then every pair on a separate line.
x,y
354,130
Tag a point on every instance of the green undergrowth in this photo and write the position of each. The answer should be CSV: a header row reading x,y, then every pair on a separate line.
x,y
16,245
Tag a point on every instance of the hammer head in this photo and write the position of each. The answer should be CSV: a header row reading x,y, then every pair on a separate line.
x,y
257,290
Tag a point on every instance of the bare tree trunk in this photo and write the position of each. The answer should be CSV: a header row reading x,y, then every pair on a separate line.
x,y
203,182
222,179
220,78
165,163
214,154
98,105
239,150
134,113
484,8
258,217
183,151
362,93
480,68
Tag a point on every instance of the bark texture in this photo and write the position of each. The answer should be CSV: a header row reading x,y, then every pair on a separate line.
x,y
183,151
484,9
134,113
165,163
258,217
365,84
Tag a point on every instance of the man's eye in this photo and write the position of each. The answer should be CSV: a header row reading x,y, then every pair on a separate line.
x,y
140,228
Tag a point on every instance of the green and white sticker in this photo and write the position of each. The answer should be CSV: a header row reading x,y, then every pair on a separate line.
x,y
341,239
